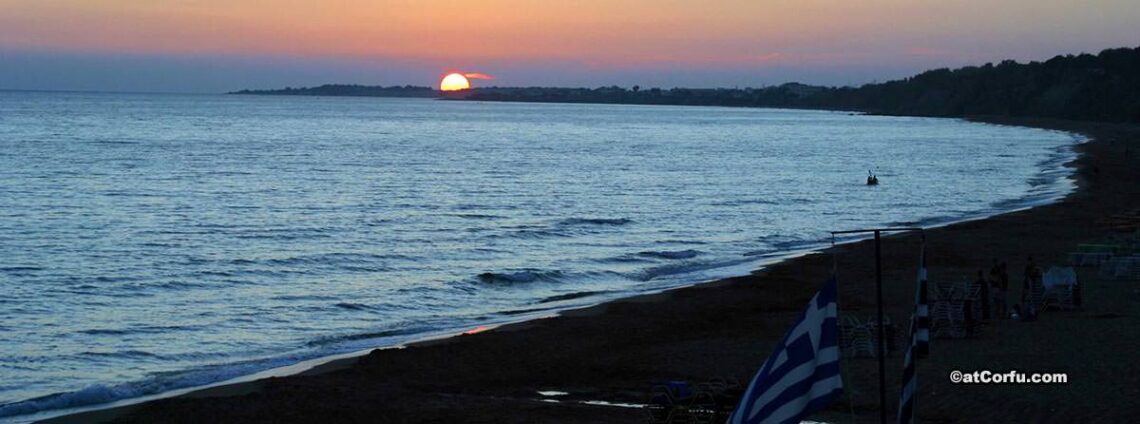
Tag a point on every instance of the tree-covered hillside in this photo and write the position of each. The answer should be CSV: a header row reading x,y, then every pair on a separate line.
x,y
1103,87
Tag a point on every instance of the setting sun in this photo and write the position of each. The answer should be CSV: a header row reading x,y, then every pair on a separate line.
x,y
454,82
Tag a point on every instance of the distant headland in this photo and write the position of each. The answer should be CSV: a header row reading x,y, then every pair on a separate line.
x,y
348,90
1102,87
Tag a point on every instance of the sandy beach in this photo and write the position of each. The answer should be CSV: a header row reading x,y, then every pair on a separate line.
x,y
615,352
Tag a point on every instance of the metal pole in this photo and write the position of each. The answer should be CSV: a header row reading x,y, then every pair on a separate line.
x,y
882,331
881,349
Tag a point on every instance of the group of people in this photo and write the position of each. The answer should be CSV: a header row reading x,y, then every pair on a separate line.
x,y
994,291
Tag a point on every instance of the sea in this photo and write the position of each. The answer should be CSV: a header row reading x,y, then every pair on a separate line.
x,y
152,243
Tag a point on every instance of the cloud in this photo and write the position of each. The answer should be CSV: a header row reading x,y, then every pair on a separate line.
x,y
478,75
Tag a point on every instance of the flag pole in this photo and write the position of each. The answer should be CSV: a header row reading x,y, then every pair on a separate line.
x,y
882,330
881,349
845,358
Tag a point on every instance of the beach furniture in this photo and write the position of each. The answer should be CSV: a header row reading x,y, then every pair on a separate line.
x,y
1094,254
857,338
949,318
1059,284
1121,268
678,402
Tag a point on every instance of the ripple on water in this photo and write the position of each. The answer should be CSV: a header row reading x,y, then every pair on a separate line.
x,y
220,243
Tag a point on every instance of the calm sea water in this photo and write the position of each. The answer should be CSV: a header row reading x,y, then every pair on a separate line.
x,y
154,242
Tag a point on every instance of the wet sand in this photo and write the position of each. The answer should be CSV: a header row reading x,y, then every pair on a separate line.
x,y
616,351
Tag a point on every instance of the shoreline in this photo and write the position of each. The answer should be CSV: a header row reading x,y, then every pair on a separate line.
x,y
1061,188
1057,187
327,369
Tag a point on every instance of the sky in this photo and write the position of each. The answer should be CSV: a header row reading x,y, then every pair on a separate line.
x,y
224,45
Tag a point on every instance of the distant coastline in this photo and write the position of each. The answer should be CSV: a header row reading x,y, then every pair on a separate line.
x,y
1103,87
347,90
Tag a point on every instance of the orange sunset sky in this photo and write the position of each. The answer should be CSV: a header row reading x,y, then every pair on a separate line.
x,y
194,45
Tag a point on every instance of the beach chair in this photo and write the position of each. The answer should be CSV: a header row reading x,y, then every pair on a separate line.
x,y
1093,254
1109,270
949,317
856,338
709,402
1059,287
1064,298
871,329
662,405
668,403
847,326
1120,268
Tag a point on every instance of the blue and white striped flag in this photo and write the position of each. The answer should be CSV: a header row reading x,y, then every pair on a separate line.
x,y
802,375
921,309
910,378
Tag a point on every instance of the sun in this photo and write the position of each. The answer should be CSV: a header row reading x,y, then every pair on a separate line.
x,y
454,82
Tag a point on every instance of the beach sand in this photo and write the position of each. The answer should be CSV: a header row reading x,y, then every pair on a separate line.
x,y
616,351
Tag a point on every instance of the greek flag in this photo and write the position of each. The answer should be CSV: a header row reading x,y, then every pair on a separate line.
x,y
910,378
802,375
922,310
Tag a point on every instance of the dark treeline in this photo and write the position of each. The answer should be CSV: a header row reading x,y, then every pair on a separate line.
x,y
1103,87
349,90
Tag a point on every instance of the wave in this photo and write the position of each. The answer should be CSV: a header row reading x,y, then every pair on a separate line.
x,y
594,221
514,312
351,262
745,202
568,227
572,296
20,269
161,382
329,340
123,354
521,276
671,254
336,258
148,329
533,233
287,234
477,216
355,306
625,259
653,273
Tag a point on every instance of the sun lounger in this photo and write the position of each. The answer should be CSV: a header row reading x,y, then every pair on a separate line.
x,y
679,402
1083,259
949,318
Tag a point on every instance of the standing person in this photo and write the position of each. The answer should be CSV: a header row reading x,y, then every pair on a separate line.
x,y
984,294
1036,281
969,306
1001,291
1027,277
986,286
